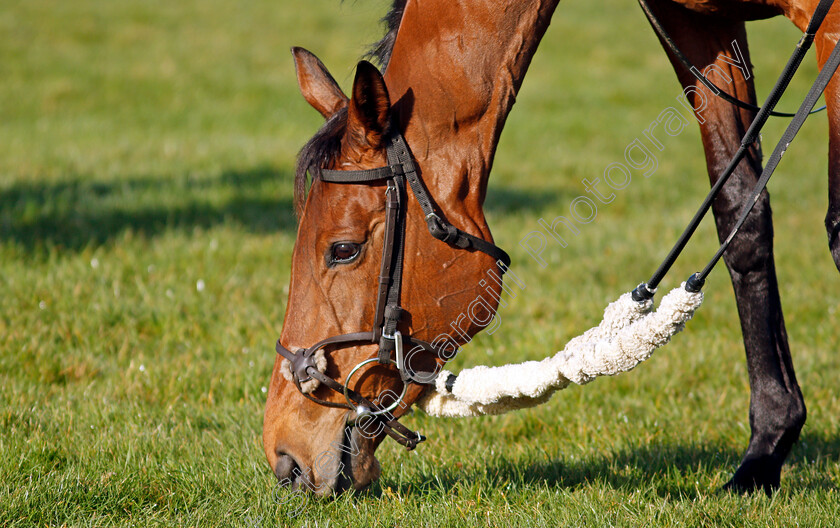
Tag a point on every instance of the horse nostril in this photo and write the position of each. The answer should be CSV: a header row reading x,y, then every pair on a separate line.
x,y
284,468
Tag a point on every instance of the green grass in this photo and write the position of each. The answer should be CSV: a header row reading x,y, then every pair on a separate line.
x,y
147,148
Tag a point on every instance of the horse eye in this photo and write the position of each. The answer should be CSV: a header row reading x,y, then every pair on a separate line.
x,y
344,252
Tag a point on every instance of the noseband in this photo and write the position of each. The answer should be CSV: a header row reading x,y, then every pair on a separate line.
x,y
392,343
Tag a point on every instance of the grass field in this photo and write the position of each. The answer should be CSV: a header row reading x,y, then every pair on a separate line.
x,y
146,231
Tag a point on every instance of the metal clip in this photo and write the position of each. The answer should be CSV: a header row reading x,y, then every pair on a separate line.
x,y
396,337
399,345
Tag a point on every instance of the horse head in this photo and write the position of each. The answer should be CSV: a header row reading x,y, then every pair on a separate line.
x,y
444,294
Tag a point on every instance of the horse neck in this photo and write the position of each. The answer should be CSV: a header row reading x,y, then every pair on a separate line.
x,y
454,73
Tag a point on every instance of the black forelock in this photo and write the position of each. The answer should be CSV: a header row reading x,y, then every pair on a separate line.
x,y
318,152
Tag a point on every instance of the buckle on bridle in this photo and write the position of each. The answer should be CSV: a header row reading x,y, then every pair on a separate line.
x,y
442,230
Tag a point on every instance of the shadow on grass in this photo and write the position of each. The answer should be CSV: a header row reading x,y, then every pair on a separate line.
x,y
667,470
813,451
660,468
506,200
78,213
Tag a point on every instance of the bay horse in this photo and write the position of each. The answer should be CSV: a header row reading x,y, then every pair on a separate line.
x,y
451,74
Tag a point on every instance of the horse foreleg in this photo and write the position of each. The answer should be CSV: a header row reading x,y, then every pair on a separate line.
x,y
825,42
777,410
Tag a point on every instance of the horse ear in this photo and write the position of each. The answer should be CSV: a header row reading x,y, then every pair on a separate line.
x,y
368,115
316,84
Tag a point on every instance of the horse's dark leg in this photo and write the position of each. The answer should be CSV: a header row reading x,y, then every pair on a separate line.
x,y
777,410
832,101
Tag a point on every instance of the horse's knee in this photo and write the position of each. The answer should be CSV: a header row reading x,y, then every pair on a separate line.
x,y
751,252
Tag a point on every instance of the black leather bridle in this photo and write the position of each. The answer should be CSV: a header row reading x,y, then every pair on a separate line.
x,y
401,169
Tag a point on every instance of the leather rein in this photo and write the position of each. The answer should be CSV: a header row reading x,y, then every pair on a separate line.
x,y
400,169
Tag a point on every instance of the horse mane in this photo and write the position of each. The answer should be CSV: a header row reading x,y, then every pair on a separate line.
x,y
381,51
326,143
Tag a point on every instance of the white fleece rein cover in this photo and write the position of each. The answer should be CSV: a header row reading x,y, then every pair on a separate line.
x,y
628,335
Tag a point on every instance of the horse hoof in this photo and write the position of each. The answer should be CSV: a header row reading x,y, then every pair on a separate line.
x,y
757,474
